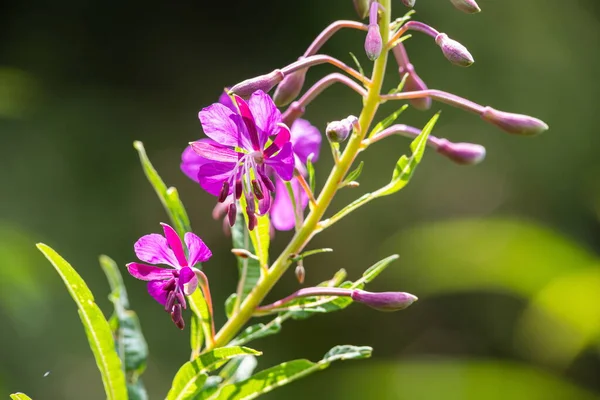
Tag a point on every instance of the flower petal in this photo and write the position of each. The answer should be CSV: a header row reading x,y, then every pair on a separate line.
x,y
283,136
188,282
175,244
283,162
212,151
149,272
211,176
198,251
306,139
266,115
222,125
282,212
155,289
191,162
154,249
251,130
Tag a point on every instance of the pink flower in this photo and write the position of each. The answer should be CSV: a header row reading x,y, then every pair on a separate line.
x,y
169,286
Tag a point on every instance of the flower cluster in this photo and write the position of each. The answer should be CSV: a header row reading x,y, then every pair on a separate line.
x,y
256,159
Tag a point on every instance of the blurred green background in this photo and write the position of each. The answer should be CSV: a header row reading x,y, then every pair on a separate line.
x,y
504,256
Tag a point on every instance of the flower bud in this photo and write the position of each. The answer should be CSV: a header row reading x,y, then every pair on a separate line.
x,y
409,3
462,153
384,301
362,8
262,82
414,83
289,88
517,124
468,6
455,52
338,131
373,41
300,273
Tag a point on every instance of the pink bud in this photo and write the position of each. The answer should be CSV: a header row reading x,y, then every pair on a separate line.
x,y
262,82
461,153
384,301
338,131
517,124
289,88
455,52
373,41
468,6
409,3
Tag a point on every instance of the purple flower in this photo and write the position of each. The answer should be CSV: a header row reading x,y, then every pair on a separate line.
x,y
244,141
169,286
305,139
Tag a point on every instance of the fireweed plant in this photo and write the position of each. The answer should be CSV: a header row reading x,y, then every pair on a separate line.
x,y
257,158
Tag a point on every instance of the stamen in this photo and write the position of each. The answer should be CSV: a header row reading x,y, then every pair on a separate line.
x,y
239,188
224,192
181,299
170,285
231,214
266,181
257,190
170,301
176,317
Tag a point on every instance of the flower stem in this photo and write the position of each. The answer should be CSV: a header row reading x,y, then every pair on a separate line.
x,y
303,236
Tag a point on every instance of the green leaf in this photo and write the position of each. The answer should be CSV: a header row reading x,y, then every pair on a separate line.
x,y
373,271
96,326
258,331
400,86
238,369
282,374
129,339
405,167
311,172
311,253
354,175
260,235
168,196
248,268
196,335
200,309
230,304
389,120
360,68
19,396
190,378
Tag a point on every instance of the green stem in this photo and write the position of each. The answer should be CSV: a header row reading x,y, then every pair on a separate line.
x,y
303,236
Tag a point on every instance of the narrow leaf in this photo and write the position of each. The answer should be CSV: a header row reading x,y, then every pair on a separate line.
x,y
360,68
258,331
311,253
354,175
373,271
230,304
96,326
405,167
248,268
282,374
19,396
190,378
310,168
389,120
167,196
260,235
